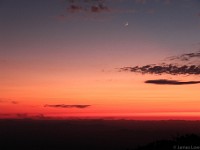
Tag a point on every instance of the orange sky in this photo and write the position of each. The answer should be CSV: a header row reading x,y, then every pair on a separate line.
x,y
109,93
52,55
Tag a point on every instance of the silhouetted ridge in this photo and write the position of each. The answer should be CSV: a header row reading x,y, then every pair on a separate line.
x,y
188,141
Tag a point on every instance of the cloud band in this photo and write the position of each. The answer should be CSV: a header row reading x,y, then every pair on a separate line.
x,y
171,82
67,106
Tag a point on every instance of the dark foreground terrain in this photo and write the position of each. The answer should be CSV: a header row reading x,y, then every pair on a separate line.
x,y
98,134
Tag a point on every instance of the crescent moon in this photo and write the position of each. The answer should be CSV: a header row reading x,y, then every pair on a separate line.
x,y
126,24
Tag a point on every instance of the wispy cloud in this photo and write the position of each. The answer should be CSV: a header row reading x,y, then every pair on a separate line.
x,y
164,69
185,64
99,8
90,9
171,82
74,8
185,57
93,6
67,106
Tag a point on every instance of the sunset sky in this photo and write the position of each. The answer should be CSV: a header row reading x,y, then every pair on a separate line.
x,y
62,58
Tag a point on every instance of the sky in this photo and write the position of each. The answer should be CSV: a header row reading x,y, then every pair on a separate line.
x,y
85,58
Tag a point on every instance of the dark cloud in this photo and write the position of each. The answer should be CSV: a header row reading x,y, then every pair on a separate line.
x,y
185,57
99,8
89,8
171,82
67,106
75,8
185,64
165,69
94,6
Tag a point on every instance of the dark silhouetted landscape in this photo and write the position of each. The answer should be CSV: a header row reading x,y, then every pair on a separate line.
x,y
99,134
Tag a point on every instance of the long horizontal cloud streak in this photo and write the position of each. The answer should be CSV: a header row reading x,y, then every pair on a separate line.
x,y
67,106
171,82
165,69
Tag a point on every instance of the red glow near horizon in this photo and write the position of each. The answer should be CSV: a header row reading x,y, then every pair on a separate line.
x,y
75,61
134,116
